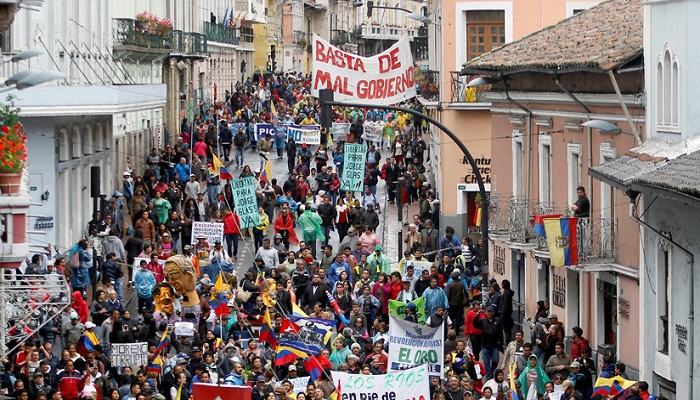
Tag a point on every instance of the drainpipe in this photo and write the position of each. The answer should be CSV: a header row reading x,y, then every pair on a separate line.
x,y
637,138
528,132
691,264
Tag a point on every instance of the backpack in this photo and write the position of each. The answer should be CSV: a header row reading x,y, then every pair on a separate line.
x,y
75,260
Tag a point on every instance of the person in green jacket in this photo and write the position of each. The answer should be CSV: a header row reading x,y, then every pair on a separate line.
x,y
533,374
310,223
379,262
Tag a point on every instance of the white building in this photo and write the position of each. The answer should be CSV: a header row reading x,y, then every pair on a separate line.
x,y
69,122
662,179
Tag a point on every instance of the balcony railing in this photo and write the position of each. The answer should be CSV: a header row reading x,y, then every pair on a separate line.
x,y
128,32
498,214
221,33
597,240
189,43
301,38
340,37
463,94
428,83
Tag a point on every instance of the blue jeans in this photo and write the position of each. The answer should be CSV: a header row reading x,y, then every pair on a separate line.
x,y
118,287
327,232
212,191
239,155
490,359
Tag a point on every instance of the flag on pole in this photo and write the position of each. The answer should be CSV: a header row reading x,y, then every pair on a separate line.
x,y
611,386
286,354
297,311
334,303
226,17
561,241
266,173
87,343
539,223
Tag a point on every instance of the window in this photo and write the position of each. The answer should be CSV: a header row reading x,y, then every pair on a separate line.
x,y
573,161
486,30
5,42
517,164
663,305
545,169
668,91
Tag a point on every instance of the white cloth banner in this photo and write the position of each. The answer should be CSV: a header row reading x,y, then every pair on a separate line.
x,y
372,132
213,231
411,384
383,79
412,344
309,134
340,131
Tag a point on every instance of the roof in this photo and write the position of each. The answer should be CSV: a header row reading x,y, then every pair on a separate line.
x,y
640,171
599,39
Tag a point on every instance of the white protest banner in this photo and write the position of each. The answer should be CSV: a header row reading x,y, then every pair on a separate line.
x,y
246,202
412,344
371,132
184,328
383,79
354,167
309,134
418,266
213,231
299,384
340,131
411,384
129,354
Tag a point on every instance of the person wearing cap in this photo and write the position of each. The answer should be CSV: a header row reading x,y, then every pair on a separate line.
x,y
570,391
192,187
378,261
406,295
38,386
350,239
581,378
411,310
491,339
370,217
72,331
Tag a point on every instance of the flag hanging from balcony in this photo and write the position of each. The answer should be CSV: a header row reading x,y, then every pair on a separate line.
x,y
561,241
539,223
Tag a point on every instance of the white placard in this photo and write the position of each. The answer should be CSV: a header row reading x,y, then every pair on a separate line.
x,y
129,354
213,231
184,328
411,384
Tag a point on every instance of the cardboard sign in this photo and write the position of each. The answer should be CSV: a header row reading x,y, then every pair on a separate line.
x,y
213,231
309,134
184,328
411,384
383,79
340,131
354,167
412,344
129,354
418,266
246,203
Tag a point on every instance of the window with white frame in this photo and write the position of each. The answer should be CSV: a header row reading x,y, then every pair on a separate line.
x,y
545,168
668,91
663,305
573,162
517,163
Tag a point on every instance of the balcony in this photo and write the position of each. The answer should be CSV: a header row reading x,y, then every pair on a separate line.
x,y
463,94
127,33
428,83
300,38
340,37
189,44
419,48
597,240
221,33
498,214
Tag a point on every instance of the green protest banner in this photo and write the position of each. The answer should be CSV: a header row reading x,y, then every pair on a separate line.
x,y
398,309
354,167
246,203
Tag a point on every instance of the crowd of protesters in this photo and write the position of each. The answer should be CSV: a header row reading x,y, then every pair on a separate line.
x,y
150,220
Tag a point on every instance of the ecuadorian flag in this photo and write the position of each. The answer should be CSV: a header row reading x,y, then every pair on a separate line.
x,y
611,386
561,241
539,223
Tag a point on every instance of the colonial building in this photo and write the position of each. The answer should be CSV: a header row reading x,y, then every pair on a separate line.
x,y
662,185
544,88
460,31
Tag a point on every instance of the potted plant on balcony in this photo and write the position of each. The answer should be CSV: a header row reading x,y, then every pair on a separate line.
x,y
13,149
146,22
164,26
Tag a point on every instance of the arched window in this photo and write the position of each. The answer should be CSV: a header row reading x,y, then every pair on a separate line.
x,y
668,107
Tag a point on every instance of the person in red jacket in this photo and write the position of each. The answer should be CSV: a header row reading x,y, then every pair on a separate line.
x,y
80,306
579,343
232,229
70,382
472,333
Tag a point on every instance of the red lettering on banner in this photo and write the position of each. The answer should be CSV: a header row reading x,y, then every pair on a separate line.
x,y
323,80
338,58
385,87
395,63
320,48
341,85
388,62
359,65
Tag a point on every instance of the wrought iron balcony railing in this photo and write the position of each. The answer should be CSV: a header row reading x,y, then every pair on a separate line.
x,y
129,32
221,33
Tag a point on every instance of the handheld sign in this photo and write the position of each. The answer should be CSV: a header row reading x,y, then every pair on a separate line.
x,y
246,203
354,167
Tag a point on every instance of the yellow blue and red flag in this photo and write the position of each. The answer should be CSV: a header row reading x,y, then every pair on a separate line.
x,y
611,386
561,241
539,223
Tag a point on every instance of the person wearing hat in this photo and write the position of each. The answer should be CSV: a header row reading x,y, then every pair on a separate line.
x,y
72,332
260,388
570,391
379,261
411,310
192,187
581,377
370,217
407,295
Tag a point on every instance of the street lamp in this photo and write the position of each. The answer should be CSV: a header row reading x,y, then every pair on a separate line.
x,y
26,79
603,126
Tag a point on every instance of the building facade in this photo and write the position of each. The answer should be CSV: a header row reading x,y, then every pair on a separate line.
x,y
544,88
460,31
